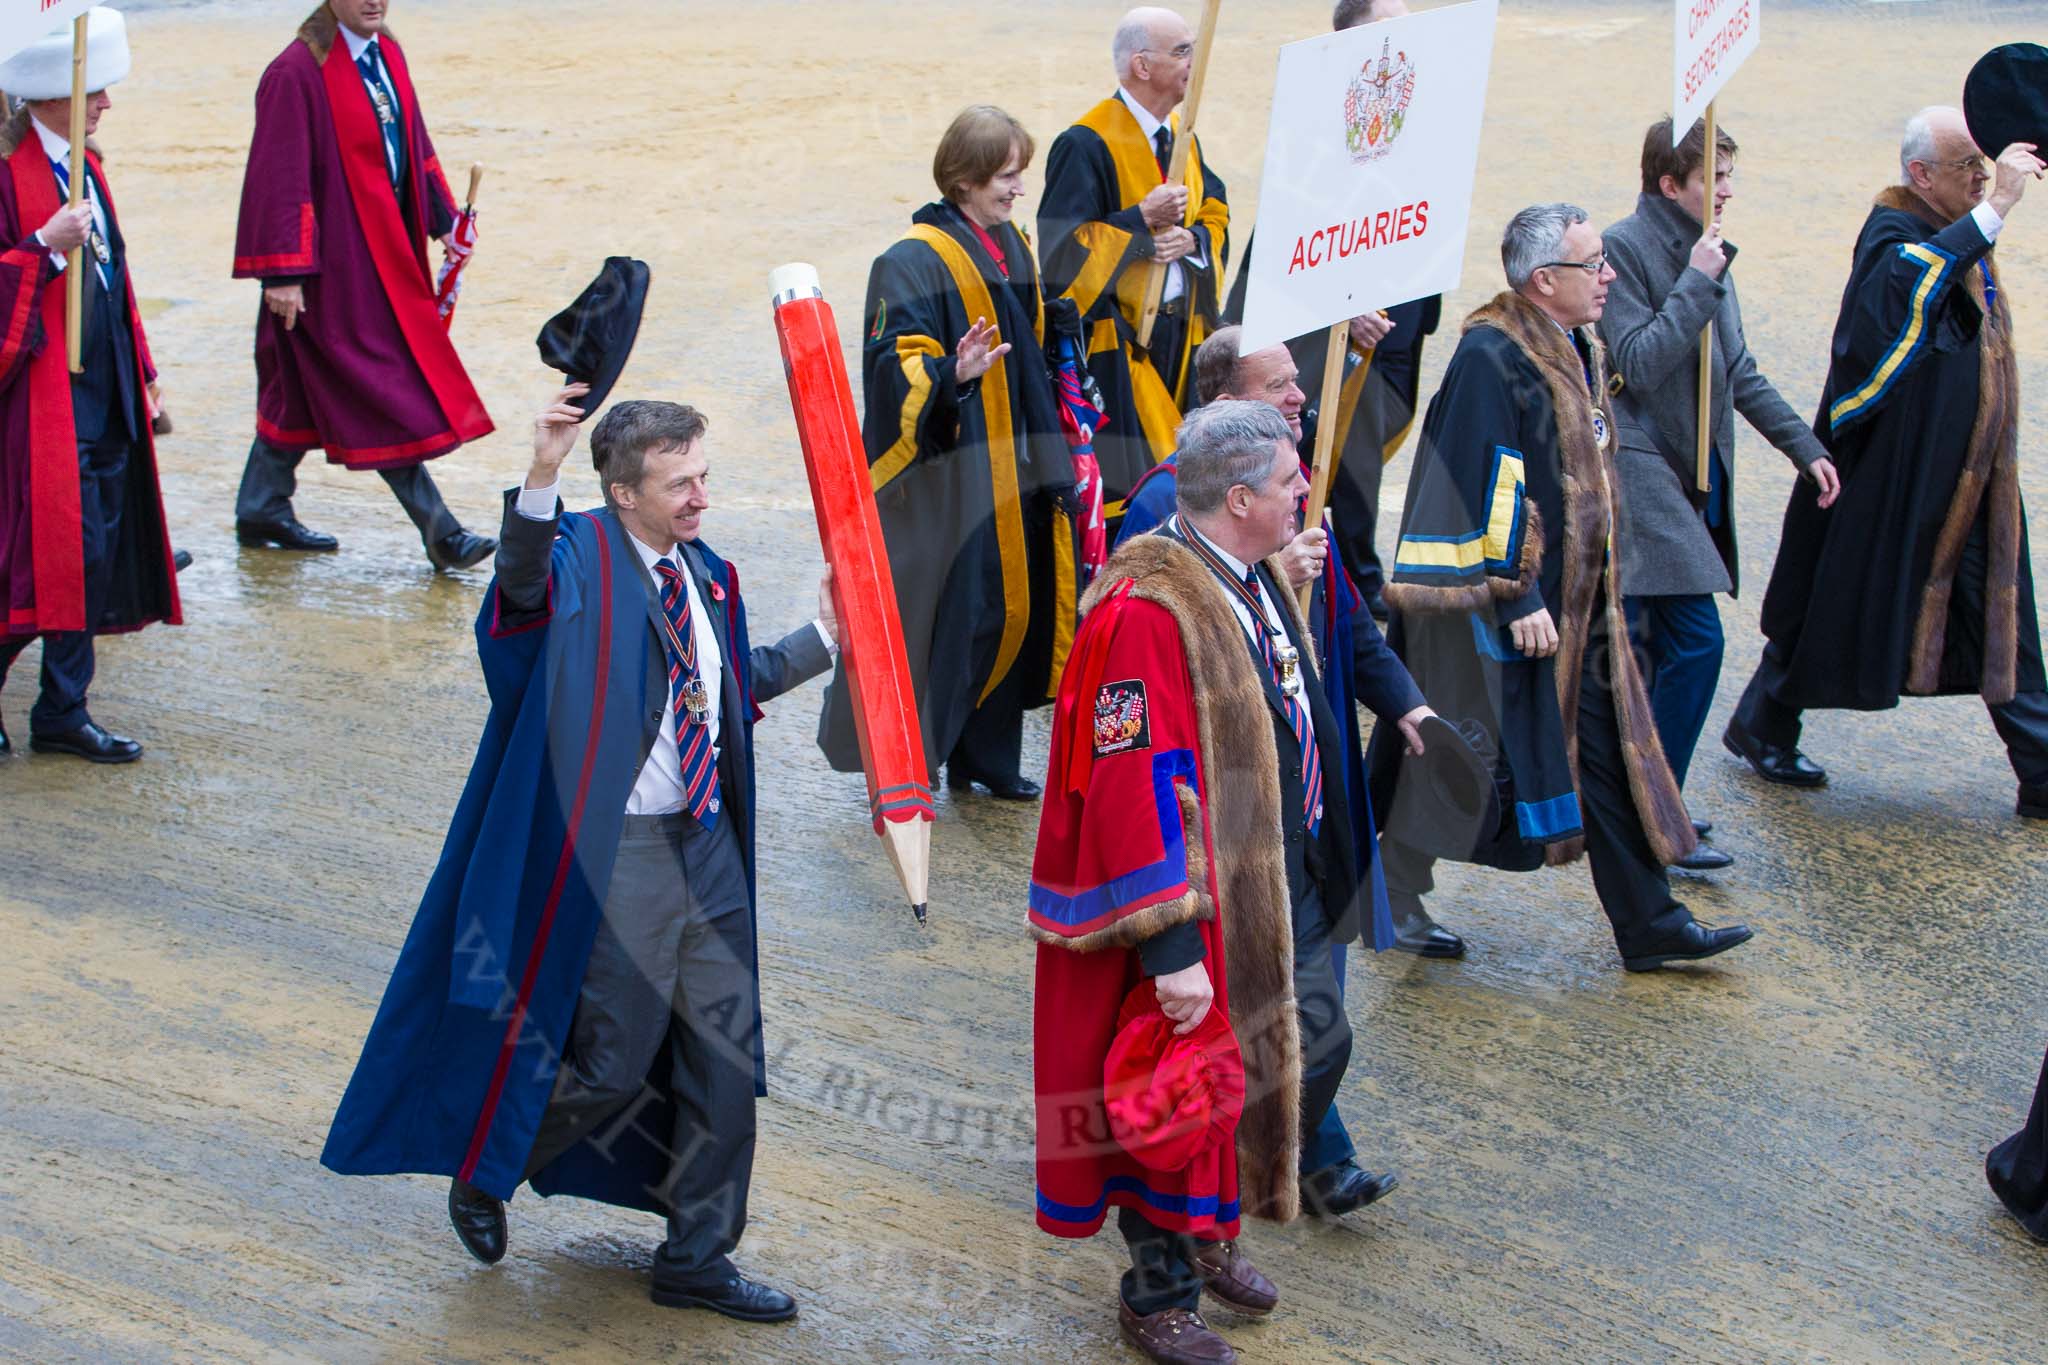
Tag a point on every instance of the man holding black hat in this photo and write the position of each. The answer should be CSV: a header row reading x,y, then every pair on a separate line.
x,y
578,1003
84,551
1918,580
352,356
1507,608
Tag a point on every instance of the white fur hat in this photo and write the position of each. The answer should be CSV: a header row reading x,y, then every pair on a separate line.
x,y
42,70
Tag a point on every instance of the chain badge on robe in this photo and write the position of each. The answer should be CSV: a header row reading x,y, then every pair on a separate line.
x,y
697,701
383,104
1287,663
98,245
1601,432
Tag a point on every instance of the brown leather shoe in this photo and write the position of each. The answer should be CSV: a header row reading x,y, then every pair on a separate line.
x,y
1174,1337
1229,1275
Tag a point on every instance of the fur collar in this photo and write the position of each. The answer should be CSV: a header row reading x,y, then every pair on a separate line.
x,y
320,31
1906,199
1592,560
1240,815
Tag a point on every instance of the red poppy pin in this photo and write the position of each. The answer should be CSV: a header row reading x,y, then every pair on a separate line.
x,y
718,592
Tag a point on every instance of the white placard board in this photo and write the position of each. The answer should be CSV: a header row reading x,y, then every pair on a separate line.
x,y
24,21
1710,39
1367,191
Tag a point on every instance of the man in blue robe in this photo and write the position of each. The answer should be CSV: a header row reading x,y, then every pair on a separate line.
x,y
578,1001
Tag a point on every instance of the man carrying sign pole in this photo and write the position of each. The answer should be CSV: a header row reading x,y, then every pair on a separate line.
x,y
90,554
1111,204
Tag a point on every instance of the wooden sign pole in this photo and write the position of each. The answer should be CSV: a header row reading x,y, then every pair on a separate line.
x,y
1177,167
1326,435
74,283
1710,169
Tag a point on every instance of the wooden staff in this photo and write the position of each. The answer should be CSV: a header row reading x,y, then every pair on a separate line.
x,y
1326,435
74,284
1711,170
1177,166
476,178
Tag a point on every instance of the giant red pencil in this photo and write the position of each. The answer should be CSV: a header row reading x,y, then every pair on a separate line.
x,y
863,590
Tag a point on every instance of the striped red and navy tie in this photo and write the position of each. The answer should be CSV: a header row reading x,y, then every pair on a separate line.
x,y
1297,716
693,738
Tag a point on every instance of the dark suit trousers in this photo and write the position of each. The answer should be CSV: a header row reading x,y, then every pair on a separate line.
x,y
68,658
1633,886
672,963
2022,723
1162,1273
992,744
271,477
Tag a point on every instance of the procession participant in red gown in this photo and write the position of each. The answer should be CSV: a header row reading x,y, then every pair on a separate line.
x,y
342,192
83,550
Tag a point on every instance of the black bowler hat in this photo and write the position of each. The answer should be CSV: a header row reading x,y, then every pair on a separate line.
x,y
2005,100
590,339
1445,802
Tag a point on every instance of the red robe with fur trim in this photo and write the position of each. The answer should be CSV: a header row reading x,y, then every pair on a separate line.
x,y
42,559
1159,694
367,372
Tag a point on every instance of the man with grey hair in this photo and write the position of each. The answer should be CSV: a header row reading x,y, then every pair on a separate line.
x,y
1918,581
1107,216
578,1004
1507,608
1188,722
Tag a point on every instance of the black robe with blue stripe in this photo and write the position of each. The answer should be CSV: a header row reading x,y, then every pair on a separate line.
x,y
1906,382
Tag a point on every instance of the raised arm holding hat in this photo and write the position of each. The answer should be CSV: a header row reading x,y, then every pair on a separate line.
x,y
87,552
1107,213
1917,581
342,192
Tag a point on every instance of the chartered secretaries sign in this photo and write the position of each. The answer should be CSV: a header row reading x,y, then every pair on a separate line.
x,y
25,21
1369,161
1711,38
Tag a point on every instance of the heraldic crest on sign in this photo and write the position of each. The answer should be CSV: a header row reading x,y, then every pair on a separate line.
x,y
1376,104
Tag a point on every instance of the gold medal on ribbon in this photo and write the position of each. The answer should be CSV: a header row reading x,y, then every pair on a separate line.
x,y
697,701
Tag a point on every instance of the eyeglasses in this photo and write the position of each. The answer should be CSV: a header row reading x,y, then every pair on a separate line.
x,y
1592,267
1973,165
1179,54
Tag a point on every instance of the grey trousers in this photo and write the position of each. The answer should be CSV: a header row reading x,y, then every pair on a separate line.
x,y
673,964
271,477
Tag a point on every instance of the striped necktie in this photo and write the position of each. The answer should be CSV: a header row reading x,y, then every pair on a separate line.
x,y
384,100
1296,713
693,736
95,245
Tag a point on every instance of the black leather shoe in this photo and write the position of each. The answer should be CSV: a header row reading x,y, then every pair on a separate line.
x,y
88,742
479,1220
1337,1190
2033,803
735,1297
1703,827
1705,858
1773,763
285,534
961,779
461,550
181,560
1689,944
1435,941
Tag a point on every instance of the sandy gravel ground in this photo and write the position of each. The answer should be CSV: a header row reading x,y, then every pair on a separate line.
x,y
1776,1160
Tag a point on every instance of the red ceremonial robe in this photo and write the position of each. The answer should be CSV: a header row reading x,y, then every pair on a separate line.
x,y
1159,695
368,372
42,564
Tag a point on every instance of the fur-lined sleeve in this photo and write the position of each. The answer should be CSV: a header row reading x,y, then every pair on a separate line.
x,y
1121,838
1470,533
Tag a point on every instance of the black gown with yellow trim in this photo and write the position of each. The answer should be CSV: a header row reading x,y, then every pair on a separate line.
x,y
1096,175
973,482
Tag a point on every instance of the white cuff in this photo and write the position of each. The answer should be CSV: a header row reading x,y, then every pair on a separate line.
x,y
1988,220
538,504
826,635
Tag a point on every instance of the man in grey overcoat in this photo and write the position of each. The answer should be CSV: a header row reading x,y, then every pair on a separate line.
x,y
1671,276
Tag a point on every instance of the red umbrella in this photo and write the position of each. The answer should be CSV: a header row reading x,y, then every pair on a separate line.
x,y
459,245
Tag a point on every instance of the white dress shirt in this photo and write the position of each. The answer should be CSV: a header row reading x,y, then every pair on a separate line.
x,y
659,790
1176,278
1244,613
58,149
1988,221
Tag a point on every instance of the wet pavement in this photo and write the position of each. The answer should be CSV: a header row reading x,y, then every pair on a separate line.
x,y
1777,1158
